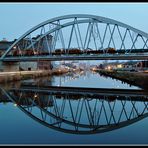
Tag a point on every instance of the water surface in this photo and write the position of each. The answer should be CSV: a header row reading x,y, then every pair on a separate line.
x,y
42,118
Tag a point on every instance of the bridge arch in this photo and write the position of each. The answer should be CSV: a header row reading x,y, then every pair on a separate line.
x,y
103,116
53,28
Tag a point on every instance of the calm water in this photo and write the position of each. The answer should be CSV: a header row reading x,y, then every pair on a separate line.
x,y
90,79
29,117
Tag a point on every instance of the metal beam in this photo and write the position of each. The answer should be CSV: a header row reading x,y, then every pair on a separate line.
x,y
94,17
80,57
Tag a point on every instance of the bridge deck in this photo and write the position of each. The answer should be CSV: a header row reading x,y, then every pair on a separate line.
x,y
78,57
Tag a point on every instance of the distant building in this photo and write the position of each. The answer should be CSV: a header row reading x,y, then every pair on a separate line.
x,y
129,65
45,46
4,45
111,65
143,64
136,64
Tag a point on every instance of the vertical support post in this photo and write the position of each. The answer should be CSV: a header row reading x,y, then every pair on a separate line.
x,y
134,41
89,35
145,44
105,35
123,39
76,37
70,37
79,34
131,37
92,32
111,38
99,36
120,36
86,34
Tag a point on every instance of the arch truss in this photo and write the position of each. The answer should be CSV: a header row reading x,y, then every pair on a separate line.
x,y
79,114
79,34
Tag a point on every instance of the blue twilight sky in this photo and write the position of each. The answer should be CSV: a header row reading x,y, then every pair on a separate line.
x,y
17,18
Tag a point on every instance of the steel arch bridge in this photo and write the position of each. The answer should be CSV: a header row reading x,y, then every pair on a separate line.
x,y
80,115
79,37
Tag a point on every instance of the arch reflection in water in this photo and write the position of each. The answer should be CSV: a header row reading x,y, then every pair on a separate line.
x,y
80,114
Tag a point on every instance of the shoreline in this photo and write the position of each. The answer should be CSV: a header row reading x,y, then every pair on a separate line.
x,y
139,79
7,77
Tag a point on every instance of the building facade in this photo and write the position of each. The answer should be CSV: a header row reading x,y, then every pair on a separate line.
x,y
45,47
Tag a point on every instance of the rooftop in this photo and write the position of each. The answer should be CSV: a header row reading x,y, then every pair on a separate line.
x,y
4,44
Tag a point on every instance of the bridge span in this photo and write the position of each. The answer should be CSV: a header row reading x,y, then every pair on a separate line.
x,y
79,33
80,57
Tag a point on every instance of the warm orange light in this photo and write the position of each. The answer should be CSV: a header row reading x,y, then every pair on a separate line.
x,y
94,69
119,66
109,67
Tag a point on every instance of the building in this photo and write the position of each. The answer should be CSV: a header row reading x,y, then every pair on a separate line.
x,y
19,66
143,64
137,65
45,44
127,66
4,45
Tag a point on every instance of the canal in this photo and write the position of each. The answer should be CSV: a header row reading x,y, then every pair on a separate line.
x,y
90,79
45,117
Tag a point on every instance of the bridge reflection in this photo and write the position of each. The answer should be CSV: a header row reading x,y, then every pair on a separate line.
x,y
79,113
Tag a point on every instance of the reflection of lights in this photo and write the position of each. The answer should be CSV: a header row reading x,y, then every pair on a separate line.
x,y
35,96
15,104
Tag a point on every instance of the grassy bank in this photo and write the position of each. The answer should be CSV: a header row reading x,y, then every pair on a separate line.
x,y
139,79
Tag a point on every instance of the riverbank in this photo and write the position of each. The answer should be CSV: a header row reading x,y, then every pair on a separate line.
x,y
6,77
139,79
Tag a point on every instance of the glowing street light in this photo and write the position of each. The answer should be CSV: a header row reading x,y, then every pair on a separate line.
x,y
94,69
108,68
119,66
35,96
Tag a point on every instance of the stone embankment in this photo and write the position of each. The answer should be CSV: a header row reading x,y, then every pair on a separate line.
x,y
6,77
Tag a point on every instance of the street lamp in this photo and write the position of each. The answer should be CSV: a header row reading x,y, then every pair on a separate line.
x,y
119,66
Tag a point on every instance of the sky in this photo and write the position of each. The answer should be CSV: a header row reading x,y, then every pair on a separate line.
x,y
18,18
